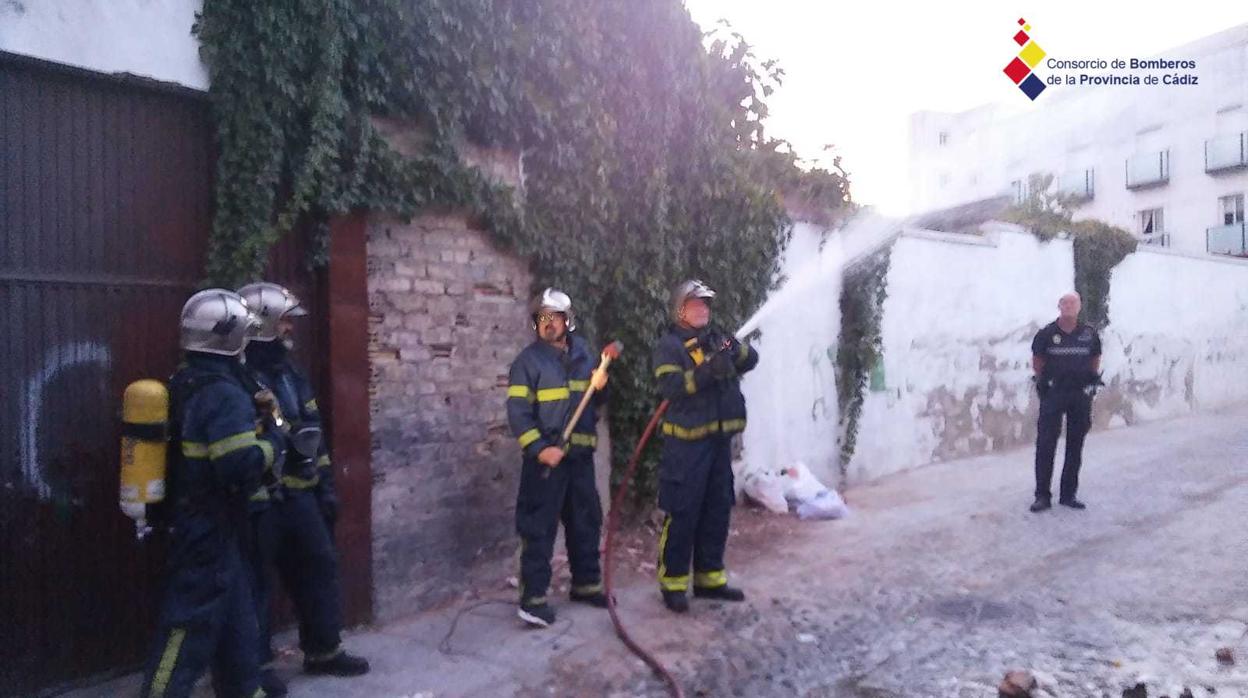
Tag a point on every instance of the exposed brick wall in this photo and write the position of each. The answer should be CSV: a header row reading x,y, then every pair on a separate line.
x,y
447,316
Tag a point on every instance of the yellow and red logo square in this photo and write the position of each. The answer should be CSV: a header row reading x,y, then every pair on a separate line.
x,y
1020,70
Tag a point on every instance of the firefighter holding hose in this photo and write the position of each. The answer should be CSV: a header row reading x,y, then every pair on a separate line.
x,y
548,380
698,370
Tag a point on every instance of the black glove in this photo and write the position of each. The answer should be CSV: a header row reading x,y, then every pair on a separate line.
x,y
722,365
1093,381
1042,386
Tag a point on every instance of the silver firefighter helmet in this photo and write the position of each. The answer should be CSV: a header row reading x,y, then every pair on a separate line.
x,y
271,302
217,321
552,300
683,291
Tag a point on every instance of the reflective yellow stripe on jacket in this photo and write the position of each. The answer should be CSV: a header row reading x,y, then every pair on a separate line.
x,y
529,437
553,394
223,447
727,426
664,369
295,482
519,391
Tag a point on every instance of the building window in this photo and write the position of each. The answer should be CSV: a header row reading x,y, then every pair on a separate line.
x,y
1232,209
1018,188
1153,227
943,138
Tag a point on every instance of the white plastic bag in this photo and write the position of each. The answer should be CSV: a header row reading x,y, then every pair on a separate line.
x,y
766,488
801,486
825,505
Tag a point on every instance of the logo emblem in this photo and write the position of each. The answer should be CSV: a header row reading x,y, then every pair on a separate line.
x,y
1020,70
1057,339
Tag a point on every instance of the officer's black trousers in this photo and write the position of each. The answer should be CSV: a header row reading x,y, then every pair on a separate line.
x,y
206,620
1076,406
696,491
568,494
291,536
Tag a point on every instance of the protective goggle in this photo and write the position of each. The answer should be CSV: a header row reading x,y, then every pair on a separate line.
x,y
547,316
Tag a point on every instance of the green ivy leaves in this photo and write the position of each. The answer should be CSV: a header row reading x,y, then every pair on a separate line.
x,y
1098,247
863,290
645,159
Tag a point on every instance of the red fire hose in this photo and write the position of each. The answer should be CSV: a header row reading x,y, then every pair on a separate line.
x,y
612,522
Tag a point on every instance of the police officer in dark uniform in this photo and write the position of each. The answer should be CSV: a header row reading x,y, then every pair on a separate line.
x,y
698,369
293,516
219,450
548,380
1066,360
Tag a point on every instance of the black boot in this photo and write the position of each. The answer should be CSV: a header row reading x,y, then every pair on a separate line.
x,y
676,601
341,664
721,593
272,685
1041,504
594,598
1072,503
538,615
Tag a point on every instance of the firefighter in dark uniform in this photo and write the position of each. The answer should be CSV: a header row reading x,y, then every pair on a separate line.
x,y
293,516
698,370
548,380
1066,361
218,452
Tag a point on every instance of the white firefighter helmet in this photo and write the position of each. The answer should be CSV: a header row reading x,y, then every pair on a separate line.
x,y
693,288
554,301
217,321
271,302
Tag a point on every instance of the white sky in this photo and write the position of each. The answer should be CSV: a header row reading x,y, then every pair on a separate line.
x,y
856,71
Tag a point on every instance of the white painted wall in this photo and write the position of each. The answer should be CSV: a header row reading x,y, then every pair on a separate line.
x,y
957,328
791,395
957,325
1178,335
151,38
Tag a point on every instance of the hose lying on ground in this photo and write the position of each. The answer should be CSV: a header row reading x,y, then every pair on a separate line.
x,y
612,523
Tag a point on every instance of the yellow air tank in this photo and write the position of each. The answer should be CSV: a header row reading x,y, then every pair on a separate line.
x,y
145,416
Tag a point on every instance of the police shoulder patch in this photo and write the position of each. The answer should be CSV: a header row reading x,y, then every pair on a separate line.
x,y
1057,339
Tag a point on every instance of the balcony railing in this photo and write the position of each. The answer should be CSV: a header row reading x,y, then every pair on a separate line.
x,y
1148,169
1226,152
1160,238
1079,185
1227,239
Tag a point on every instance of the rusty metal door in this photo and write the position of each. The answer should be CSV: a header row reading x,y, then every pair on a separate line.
x,y
105,201
105,211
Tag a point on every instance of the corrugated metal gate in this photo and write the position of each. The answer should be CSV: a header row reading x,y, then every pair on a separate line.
x,y
105,210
